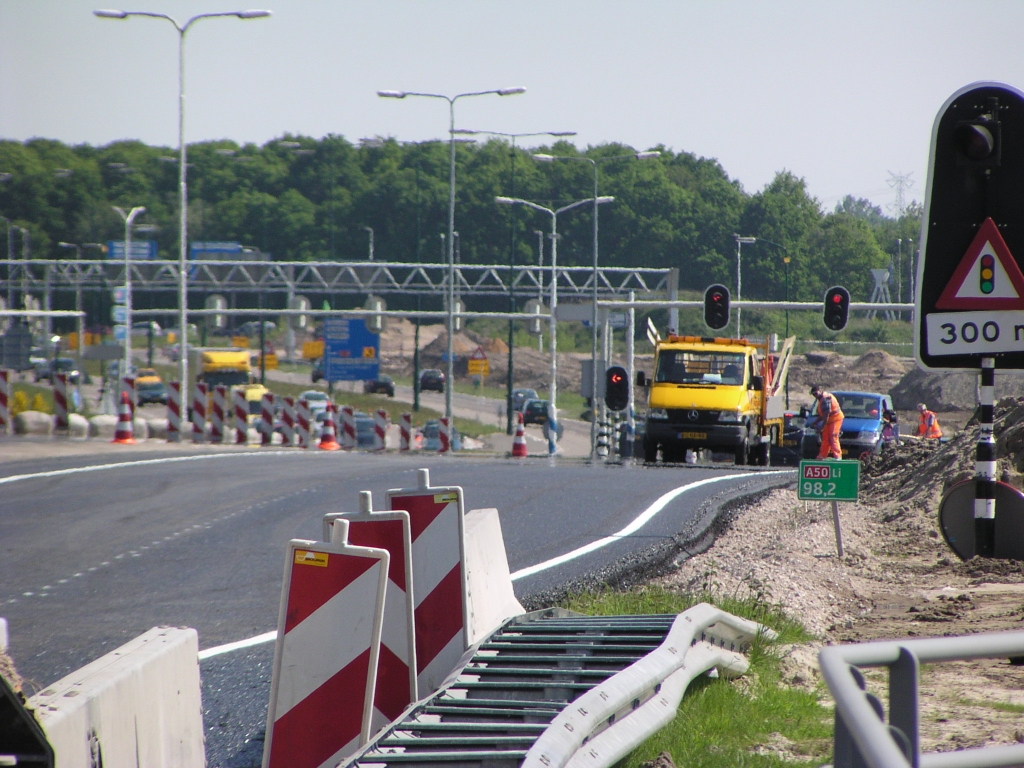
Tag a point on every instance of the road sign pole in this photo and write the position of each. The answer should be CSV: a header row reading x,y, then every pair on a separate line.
x,y
985,465
838,527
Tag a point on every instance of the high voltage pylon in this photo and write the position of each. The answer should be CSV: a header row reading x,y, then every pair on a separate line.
x,y
901,182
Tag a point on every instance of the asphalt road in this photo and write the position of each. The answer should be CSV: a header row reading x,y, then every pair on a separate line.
x,y
91,559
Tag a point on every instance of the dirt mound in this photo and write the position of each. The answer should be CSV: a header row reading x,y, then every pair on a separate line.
x,y
949,391
879,361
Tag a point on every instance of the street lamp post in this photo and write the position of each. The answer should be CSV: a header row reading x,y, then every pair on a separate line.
x,y
450,371
370,230
740,240
182,185
593,318
129,219
552,323
512,253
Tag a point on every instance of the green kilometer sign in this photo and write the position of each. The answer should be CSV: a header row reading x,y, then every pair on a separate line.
x,y
829,480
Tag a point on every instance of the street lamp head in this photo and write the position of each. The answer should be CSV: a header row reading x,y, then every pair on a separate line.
x,y
392,94
511,91
504,200
544,158
605,199
648,154
562,133
289,144
107,14
744,239
62,244
252,14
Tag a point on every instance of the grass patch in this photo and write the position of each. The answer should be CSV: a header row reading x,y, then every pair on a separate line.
x,y
998,706
753,721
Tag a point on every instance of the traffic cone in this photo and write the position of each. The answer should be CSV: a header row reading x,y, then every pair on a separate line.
x,y
519,441
328,440
123,433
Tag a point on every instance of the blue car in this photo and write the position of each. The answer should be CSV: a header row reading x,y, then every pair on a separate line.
x,y
861,432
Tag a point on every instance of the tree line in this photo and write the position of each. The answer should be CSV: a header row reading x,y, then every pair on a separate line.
x,y
300,198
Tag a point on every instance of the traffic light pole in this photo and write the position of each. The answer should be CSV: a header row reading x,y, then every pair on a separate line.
x,y
985,465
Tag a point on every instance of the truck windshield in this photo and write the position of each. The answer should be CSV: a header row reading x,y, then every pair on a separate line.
x,y
682,366
227,378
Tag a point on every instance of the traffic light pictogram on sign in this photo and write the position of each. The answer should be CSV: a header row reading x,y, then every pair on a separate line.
x,y
837,308
616,388
987,276
716,307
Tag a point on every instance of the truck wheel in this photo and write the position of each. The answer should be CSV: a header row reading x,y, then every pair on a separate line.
x,y
764,455
741,453
650,452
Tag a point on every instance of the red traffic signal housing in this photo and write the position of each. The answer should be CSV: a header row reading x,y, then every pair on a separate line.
x,y
716,307
616,388
837,308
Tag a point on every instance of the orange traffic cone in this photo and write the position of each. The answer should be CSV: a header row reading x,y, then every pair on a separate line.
x,y
123,433
519,442
328,439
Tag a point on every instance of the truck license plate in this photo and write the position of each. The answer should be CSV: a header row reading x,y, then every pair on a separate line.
x,y
693,436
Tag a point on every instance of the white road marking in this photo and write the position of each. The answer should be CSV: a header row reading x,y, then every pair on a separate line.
x,y
642,519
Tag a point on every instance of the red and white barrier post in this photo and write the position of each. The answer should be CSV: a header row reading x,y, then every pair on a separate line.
x,y
519,441
302,423
5,402
220,396
406,431
438,576
380,430
328,439
174,412
396,671
123,433
288,421
60,402
199,413
328,647
444,436
348,427
240,406
267,419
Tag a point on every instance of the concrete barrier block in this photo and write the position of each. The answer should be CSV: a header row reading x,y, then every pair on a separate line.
x,y
103,425
138,705
78,426
488,582
140,428
157,428
33,423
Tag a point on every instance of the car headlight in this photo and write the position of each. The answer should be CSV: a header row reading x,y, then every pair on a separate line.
x,y
730,417
657,413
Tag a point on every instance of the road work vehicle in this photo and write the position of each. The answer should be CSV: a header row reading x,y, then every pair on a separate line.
x,y
230,367
715,394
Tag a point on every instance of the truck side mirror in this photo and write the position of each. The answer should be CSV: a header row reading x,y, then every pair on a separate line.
x,y
757,383
641,379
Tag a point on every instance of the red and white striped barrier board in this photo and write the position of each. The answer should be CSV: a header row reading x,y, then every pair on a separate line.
x,y
174,412
328,645
240,406
267,419
444,436
396,670
380,430
406,431
5,402
438,577
60,401
302,424
128,385
348,427
288,421
199,413
220,396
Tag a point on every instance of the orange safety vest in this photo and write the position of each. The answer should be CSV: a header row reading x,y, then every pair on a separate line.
x,y
835,413
929,425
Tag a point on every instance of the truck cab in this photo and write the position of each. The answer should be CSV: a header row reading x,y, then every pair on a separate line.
x,y
713,394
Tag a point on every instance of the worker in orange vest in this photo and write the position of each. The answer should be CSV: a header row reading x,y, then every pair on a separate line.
x,y
929,423
830,418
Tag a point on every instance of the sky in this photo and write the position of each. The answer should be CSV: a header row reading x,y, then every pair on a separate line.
x,y
842,94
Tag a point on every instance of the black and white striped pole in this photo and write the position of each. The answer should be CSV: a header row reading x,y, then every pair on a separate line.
x,y
985,465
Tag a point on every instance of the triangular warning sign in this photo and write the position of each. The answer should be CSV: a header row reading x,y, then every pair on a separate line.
x,y
987,277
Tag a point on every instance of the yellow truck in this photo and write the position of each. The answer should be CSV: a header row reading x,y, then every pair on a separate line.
x,y
230,367
715,394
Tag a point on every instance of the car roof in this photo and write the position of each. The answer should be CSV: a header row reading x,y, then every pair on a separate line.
x,y
537,400
314,394
854,393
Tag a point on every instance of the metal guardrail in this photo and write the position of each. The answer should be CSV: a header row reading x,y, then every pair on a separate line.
x,y
863,738
509,702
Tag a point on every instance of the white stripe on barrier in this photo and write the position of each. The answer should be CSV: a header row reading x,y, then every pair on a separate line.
x,y
174,411
327,651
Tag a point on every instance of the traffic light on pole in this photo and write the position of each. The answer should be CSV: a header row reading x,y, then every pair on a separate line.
x,y
716,307
616,388
978,139
837,308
